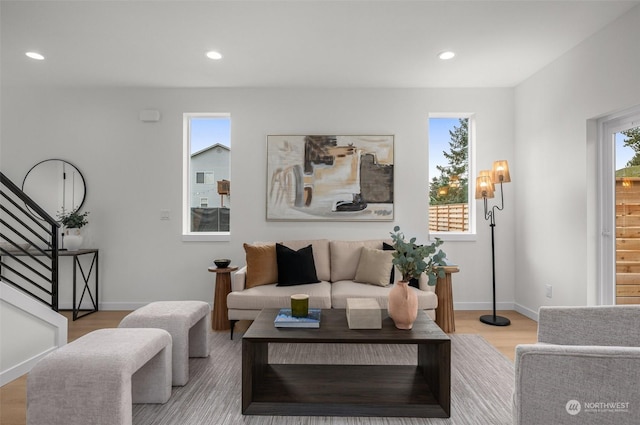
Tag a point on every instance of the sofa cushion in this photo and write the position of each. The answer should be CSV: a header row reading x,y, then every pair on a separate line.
x,y
262,266
344,289
295,267
272,296
345,256
320,255
374,266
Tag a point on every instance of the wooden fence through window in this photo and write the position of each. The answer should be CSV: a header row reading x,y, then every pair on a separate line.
x,y
449,218
628,240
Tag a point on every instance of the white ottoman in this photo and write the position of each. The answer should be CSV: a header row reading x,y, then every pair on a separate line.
x,y
188,324
95,379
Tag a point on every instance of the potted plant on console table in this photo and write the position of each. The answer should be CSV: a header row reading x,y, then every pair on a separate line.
x,y
412,260
72,221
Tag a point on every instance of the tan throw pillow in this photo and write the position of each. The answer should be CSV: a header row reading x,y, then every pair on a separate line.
x,y
262,264
374,266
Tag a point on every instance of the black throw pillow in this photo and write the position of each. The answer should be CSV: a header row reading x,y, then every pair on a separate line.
x,y
387,247
295,267
413,282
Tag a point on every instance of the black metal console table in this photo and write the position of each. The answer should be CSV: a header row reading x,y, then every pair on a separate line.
x,y
86,276
84,272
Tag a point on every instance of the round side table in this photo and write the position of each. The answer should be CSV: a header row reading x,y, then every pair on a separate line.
x,y
219,318
444,312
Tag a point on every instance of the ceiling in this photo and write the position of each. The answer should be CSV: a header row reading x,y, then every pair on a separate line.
x,y
304,43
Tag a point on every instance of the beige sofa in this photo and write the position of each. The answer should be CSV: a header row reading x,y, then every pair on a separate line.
x,y
336,264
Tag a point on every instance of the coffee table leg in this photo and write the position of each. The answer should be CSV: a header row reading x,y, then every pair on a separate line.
x,y
435,362
255,358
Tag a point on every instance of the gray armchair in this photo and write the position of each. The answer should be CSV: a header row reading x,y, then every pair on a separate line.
x,y
585,368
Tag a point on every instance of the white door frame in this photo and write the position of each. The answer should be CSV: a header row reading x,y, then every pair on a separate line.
x,y
607,128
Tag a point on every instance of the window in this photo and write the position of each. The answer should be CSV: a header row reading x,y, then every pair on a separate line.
x,y
450,201
205,177
206,163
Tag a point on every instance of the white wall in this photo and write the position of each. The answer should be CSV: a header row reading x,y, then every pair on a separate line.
x,y
556,157
143,258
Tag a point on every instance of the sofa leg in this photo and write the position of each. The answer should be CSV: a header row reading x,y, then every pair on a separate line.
x,y
232,324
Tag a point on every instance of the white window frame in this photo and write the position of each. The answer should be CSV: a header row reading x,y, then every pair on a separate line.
x,y
187,234
471,234
204,202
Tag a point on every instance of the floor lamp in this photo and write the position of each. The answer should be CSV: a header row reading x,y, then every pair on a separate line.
x,y
485,190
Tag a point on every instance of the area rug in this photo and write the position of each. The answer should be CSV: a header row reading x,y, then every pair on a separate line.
x,y
481,384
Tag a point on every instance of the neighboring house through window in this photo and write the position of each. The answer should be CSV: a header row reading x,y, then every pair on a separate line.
x,y
204,177
206,162
450,201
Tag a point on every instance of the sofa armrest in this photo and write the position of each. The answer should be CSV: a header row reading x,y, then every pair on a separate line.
x,y
550,378
239,279
423,284
601,325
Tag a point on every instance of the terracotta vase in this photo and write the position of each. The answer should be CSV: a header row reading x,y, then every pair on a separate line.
x,y
403,305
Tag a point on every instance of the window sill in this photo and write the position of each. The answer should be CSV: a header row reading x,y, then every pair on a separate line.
x,y
207,237
453,237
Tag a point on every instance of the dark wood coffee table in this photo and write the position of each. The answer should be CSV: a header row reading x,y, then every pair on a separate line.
x,y
421,390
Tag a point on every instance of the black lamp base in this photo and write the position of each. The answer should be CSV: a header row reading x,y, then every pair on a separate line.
x,y
490,319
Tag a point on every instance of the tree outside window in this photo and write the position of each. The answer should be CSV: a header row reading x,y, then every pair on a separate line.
x,y
449,174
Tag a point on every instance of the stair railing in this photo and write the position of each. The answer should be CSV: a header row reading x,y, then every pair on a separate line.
x,y
28,245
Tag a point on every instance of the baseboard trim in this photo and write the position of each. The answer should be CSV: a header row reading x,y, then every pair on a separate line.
x,y
117,306
505,305
122,306
525,311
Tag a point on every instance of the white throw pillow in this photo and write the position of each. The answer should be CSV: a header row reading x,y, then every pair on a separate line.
x,y
374,266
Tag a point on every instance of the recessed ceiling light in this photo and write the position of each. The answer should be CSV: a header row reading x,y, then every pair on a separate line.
x,y
446,55
34,55
214,55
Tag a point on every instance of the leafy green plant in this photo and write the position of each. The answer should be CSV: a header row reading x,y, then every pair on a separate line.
x,y
73,219
412,259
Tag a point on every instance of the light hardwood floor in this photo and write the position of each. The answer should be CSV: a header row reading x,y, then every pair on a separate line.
x,y
522,331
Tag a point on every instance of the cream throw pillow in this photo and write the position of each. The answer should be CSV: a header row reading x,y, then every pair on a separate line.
x,y
262,264
374,266
345,256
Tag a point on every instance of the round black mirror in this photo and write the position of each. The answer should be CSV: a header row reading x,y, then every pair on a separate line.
x,y
56,185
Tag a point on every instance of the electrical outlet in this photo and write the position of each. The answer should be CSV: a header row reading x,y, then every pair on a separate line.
x,y
165,215
548,289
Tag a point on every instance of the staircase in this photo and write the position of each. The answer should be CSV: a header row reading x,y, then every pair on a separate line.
x,y
31,326
25,229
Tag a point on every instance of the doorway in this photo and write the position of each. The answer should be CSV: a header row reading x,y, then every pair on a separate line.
x,y
620,209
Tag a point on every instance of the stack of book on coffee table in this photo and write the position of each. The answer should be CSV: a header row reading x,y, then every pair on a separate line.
x,y
284,319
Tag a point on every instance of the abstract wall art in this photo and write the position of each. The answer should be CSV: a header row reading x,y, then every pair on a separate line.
x,y
330,178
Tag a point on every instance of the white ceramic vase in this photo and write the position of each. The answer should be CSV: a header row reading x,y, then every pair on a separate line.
x,y
72,239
